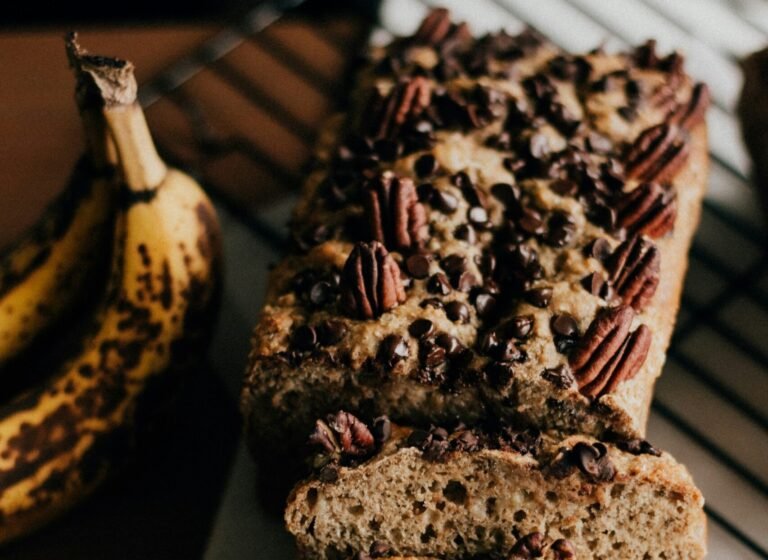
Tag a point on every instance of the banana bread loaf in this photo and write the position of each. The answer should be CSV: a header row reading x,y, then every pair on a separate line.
x,y
497,229
458,493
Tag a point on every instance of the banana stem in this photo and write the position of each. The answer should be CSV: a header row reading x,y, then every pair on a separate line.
x,y
106,92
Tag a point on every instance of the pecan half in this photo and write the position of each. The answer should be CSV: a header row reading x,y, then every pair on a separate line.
x,y
649,208
404,102
608,353
343,433
395,216
657,154
371,281
437,30
633,270
687,115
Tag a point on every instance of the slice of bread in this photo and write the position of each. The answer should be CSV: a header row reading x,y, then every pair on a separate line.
x,y
468,494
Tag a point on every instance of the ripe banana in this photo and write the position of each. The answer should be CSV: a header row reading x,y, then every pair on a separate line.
x,y
48,273
59,440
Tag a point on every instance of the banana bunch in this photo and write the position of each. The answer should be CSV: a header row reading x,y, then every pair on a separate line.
x,y
61,437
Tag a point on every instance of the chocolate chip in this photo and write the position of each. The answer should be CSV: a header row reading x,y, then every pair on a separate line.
x,y
528,547
531,222
478,216
417,266
593,461
329,473
489,343
564,324
564,187
330,332
304,338
628,113
425,166
421,328
507,351
485,304
379,549
638,447
425,191
499,374
431,302
520,326
506,193
598,249
595,284
431,355
457,311
438,284
392,349
539,297
513,165
382,429
444,202
454,264
466,232
466,281
560,376
321,293
449,342
563,550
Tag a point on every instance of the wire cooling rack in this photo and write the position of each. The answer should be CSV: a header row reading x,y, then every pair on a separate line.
x,y
711,404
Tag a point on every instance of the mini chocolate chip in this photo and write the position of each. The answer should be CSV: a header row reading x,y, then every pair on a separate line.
x,y
449,342
486,263
564,187
392,349
560,376
417,266
506,193
421,328
457,311
444,202
593,461
563,550
438,284
564,324
485,304
466,281
539,297
598,249
478,216
425,166
520,327
330,332
431,355
304,338
382,429
466,232
321,293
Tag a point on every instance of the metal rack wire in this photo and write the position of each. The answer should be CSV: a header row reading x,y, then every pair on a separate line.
x,y
722,278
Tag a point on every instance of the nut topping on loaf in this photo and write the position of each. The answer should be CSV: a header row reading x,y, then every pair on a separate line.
x,y
481,207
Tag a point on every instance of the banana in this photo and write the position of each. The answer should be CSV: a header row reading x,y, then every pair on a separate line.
x,y
59,440
49,272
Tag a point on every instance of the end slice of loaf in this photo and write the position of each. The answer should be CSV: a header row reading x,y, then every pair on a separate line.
x,y
593,499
